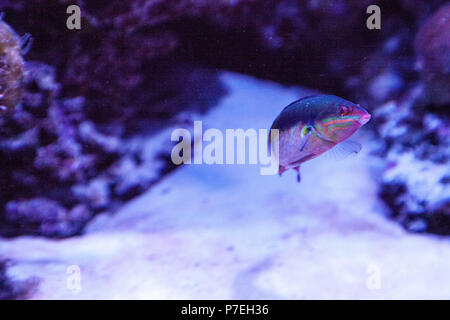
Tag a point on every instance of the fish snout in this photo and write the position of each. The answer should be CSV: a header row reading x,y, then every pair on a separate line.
x,y
364,118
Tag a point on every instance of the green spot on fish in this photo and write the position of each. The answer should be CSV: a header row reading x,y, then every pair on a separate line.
x,y
305,130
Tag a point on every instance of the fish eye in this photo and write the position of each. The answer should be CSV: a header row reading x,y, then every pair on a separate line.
x,y
342,111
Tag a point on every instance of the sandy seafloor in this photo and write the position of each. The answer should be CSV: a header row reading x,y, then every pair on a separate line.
x,y
227,232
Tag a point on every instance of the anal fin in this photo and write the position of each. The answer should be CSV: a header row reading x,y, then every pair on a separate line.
x,y
299,178
281,169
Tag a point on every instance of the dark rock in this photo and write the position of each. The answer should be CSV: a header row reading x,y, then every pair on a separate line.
x,y
10,290
11,68
61,164
46,217
433,55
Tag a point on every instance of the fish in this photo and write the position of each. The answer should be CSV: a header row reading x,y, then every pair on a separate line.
x,y
312,125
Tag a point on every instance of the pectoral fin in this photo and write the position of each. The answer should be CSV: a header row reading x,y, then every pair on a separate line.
x,y
344,149
305,140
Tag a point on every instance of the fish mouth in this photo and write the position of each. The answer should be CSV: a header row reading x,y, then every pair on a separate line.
x,y
364,118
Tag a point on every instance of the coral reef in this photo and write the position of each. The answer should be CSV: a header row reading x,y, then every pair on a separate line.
x,y
11,68
416,182
433,55
10,290
268,39
77,145
60,166
414,129
6,288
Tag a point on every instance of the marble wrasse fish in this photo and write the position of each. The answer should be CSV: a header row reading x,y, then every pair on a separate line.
x,y
312,125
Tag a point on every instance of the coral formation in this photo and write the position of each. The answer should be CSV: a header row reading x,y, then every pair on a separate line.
x,y
433,55
6,289
414,130
76,146
13,289
11,68
417,150
60,166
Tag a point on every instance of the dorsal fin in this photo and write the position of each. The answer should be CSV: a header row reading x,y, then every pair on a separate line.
x,y
298,100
